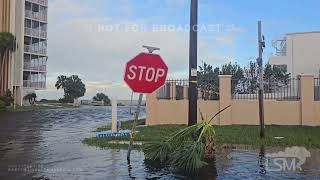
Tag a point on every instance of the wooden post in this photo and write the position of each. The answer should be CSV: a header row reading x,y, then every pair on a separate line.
x,y
114,114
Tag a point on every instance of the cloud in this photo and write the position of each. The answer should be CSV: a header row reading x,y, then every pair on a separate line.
x,y
76,46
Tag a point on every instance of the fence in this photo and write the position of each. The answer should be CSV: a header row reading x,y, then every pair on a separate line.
x,y
292,102
178,90
317,89
174,89
288,89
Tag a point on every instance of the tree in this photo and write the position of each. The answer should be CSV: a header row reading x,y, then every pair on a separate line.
x,y
208,81
73,87
7,98
275,77
31,97
250,84
232,69
7,45
102,97
236,71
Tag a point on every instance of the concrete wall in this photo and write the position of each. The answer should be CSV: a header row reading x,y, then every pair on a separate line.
x,y
305,111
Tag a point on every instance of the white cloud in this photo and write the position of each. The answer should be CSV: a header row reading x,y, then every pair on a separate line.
x,y
99,58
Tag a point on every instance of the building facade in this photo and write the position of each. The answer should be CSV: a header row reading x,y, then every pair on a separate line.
x,y
298,53
26,68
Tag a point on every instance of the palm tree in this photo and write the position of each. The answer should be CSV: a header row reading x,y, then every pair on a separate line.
x,y
7,45
188,149
31,98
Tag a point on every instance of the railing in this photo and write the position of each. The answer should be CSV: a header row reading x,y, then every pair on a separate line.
x,y
280,47
41,2
178,90
208,89
35,49
29,66
43,34
288,89
173,89
33,84
35,32
317,89
41,16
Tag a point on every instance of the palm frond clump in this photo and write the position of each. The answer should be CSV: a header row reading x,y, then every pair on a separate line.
x,y
186,150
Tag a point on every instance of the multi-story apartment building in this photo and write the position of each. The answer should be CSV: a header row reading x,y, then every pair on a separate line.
x,y
298,53
27,67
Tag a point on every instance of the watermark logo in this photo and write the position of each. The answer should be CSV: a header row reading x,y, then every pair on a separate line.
x,y
291,159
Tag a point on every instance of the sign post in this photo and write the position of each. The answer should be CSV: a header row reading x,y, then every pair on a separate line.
x,y
144,74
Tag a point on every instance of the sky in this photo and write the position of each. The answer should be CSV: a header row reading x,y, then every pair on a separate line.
x,y
95,38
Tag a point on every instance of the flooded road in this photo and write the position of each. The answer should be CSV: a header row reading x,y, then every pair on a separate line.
x,y
48,144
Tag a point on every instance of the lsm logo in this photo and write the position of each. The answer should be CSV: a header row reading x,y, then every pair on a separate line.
x,y
289,160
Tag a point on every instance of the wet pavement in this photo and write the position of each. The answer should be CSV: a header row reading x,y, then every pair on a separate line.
x,y
47,143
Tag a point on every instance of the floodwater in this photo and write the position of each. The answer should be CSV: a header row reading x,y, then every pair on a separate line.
x,y
47,144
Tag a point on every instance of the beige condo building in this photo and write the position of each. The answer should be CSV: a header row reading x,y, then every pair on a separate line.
x,y
25,69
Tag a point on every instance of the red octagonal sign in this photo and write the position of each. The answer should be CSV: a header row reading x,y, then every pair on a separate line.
x,y
146,73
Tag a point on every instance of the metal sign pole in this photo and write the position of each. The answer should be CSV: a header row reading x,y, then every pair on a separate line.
x,y
133,131
136,115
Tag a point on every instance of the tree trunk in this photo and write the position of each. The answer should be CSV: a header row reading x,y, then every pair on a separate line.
x,y
3,57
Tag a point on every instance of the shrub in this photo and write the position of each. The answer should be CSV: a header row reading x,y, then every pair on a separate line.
x,y
6,100
2,106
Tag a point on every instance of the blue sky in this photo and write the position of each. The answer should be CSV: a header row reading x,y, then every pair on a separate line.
x,y
99,57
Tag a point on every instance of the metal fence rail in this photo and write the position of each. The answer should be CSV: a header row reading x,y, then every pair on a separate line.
x,y
207,90
273,90
317,89
166,91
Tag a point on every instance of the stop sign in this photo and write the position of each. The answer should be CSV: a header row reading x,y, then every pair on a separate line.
x,y
145,73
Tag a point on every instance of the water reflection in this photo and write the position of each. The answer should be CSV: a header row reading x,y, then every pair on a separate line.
x,y
262,162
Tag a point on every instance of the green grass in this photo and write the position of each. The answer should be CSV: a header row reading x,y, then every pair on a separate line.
x,y
249,135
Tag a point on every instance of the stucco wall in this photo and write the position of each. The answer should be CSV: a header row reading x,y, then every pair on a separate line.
x,y
242,112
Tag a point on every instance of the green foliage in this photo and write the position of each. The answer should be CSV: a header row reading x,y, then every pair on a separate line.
x,y
232,69
102,97
189,157
187,149
2,106
208,81
208,78
31,97
8,98
7,45
73,88
7,42
275,77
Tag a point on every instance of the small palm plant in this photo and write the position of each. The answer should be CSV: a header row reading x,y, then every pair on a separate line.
x,y
187,150
31,98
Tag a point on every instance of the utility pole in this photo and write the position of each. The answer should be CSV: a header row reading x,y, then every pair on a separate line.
x,y
193,53
261,46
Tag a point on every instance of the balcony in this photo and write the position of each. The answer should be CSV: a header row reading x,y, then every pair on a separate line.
x,y
280,47
34,84
31,67
41,16
35,32
35,49
41,2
